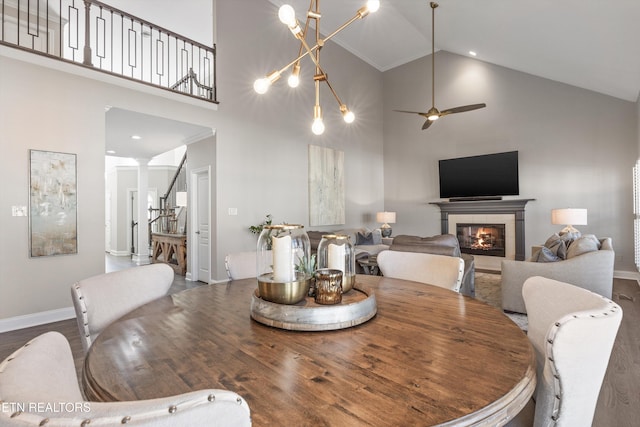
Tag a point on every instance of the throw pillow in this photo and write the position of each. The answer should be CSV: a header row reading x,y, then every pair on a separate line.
x,y
557,246
364,238
545,255
377,236
586,243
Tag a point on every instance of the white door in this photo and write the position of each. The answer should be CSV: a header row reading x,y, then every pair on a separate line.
x,y
202,256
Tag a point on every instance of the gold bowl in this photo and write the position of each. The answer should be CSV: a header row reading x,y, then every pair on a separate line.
x,y
283,292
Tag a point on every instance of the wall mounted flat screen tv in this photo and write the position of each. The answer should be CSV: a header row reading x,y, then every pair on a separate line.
x,y
489,175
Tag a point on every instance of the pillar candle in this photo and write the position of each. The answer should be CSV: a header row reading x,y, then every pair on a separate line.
x,y
282,265
336,257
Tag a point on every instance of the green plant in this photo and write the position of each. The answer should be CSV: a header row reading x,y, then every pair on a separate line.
x,y
257,229
307,265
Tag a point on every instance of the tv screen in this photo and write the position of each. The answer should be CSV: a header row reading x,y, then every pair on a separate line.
x,y
479,176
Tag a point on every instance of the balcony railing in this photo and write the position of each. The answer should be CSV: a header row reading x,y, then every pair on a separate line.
x,y
96,35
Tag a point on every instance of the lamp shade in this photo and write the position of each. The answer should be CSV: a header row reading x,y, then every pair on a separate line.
x,y
386,217
569,216
181,198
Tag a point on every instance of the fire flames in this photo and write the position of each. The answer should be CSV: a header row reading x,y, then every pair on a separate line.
x,y
484,238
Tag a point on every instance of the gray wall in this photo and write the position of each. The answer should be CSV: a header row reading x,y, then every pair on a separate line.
x,y
260,148
262,141
576,147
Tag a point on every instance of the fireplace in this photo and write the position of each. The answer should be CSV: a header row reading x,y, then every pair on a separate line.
x,y
509,212
481,239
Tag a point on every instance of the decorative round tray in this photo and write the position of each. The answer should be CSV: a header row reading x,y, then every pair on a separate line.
x,y
357,306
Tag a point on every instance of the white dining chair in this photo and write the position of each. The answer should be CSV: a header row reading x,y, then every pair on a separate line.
x,y
440,270
39,387
572,331
101,299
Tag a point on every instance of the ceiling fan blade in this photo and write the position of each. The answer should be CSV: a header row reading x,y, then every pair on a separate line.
x,y
427,124
411,112
462,109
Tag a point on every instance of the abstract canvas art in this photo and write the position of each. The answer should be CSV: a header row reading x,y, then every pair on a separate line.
x,y
326,186
52,204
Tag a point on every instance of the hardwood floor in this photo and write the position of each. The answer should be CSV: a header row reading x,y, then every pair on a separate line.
x,y
617,405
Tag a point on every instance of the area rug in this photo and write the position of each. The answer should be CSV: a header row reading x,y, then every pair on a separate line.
x,y
488,290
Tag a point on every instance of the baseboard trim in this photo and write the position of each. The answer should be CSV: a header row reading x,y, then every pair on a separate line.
x,y
630,275
35,319
120,253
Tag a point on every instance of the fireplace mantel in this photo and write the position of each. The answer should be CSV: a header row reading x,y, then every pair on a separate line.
x,y
510,206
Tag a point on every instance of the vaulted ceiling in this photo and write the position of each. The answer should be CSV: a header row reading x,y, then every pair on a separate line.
x,y
592,44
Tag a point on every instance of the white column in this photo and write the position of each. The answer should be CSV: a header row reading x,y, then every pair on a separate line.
x,y
142,255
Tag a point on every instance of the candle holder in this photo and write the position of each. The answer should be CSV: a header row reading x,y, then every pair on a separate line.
x,y
328,286
283,257
335,251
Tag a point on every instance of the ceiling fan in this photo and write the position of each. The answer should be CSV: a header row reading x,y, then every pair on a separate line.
x,y
434,114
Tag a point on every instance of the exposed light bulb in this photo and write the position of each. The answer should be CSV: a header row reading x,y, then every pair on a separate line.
x,y
294,78
261,85
287,15
318,126
373,5
433,117
349,117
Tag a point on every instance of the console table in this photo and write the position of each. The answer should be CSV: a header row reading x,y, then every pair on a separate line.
x,y
170,249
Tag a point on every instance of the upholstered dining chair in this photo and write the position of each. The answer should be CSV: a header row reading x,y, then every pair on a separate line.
x,y
101,299
440,270
243,265
39,387
572,331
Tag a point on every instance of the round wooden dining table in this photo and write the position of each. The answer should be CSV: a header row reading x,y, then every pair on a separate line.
x,y
428,357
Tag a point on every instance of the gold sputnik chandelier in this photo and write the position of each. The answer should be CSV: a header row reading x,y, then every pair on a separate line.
x,y
287,16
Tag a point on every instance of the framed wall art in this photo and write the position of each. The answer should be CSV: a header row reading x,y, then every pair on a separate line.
x,y
53,204
326,186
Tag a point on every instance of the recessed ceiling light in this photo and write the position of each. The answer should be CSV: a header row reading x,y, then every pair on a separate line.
x,y
136,137
111,152
472,53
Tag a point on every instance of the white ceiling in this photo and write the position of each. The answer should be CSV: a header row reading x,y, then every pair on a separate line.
x,y
592,44
158,135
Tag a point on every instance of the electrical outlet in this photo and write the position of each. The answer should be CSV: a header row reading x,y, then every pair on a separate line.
x,y
233,211
19,210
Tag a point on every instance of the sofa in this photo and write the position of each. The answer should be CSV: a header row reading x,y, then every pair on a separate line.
x,y
444,244
579,263
365,242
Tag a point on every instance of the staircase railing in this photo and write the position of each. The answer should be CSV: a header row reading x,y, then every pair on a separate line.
x,y
164,218
93,34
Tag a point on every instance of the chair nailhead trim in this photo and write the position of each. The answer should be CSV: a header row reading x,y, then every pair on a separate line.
x,y
239,400
43,422
173,409
125,420
85,422
15,414
557,406
211,398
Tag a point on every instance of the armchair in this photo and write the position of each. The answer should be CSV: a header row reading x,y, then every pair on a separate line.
x,y
592,271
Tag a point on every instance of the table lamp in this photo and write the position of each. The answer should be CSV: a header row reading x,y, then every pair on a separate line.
x,y
569,217
386,218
